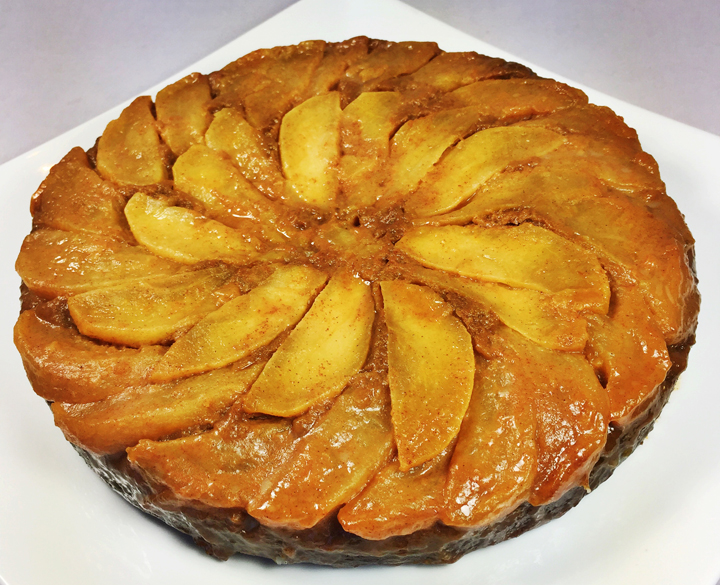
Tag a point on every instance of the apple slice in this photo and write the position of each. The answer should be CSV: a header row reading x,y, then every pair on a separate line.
x,y
184,235
153,412
268,82
366,126
493,465
420,143
129,150
431,370
73,197
628,349
333,462
448,71
523,256
243,324
224,467
64,366
212,178
515,99
600,142
325,349
150,310
398,502
57,263
473,161
387,60
540,317
183,112
571,415
310,151
336,60
231,133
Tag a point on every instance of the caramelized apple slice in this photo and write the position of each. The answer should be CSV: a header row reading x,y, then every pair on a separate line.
x,y
231,133
523,256
212,178
448,71
331,463
74,198
153,412
398,502
431,369
387,60
337,58
325,349
540,317
600,142
269,81
129,150
474,161
420,143
515,99
182,112
56,263
571,416
186,236
225,467
244,324
310,151
149,310
493,465
63,365
366,126
628,349
548,189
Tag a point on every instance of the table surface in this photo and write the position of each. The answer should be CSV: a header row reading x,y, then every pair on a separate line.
x,y
64,63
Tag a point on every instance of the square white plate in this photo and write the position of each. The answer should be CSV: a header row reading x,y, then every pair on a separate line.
x,y
657,520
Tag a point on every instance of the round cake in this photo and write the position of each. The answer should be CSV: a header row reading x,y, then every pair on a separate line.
x,y
357,302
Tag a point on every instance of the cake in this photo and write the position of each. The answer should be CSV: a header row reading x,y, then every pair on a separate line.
x,y
358,302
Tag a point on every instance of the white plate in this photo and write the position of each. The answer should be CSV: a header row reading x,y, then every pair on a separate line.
x,y
657,520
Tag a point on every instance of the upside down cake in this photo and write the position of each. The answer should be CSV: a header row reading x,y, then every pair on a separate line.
x,y
357,302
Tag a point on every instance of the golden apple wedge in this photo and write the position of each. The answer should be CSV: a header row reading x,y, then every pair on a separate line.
x,y
494,461
129,150
474,161
366,126
186,236
231,133
523,256
243,324
74,198
183,112
333,462
58,263
150,310
310,152
418,145
398,502
326,348
224,467
431,370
